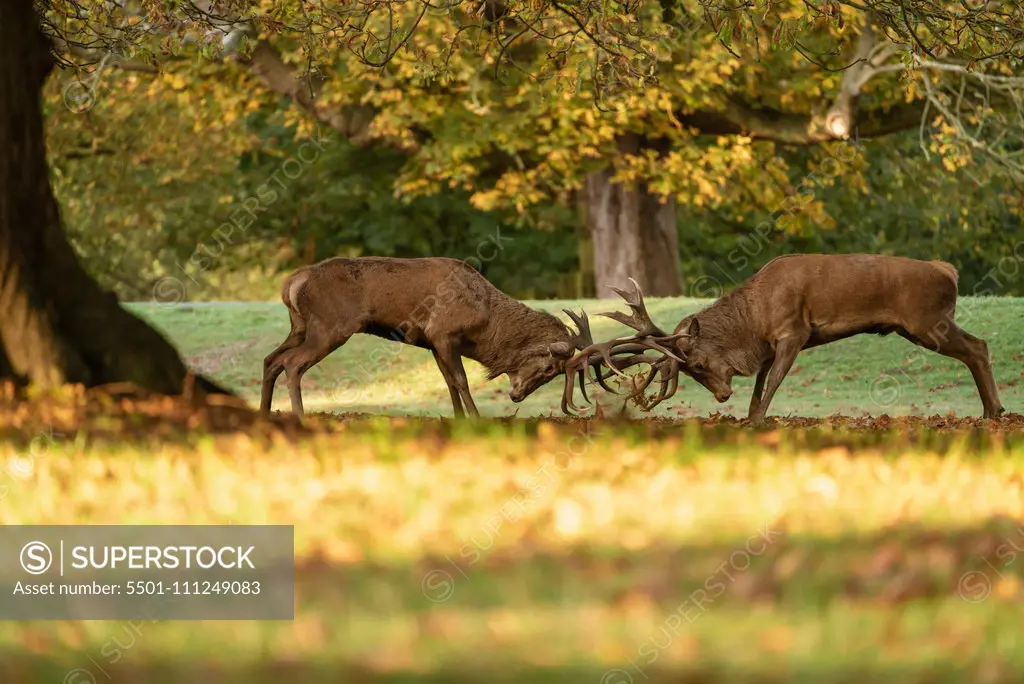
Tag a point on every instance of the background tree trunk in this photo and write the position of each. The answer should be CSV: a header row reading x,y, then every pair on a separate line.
x,y
585,277
56,324
633,234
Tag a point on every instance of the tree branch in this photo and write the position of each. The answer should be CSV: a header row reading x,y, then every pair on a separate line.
x,y
798,129
352,121
110,59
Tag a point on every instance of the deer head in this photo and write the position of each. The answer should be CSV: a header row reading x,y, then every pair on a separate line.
x,y
548,359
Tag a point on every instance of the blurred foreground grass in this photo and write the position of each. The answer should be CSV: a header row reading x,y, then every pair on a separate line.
x,y
594,551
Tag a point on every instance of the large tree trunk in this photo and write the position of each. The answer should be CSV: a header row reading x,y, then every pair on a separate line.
x,y
634,235
56,324
585,278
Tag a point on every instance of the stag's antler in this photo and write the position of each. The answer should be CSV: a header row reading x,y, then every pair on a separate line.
x,y
639,320
648,337
582,338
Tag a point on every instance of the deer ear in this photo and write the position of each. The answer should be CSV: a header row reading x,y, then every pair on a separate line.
x,y
694,328
560,349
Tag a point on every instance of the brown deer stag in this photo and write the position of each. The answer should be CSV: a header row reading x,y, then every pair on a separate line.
x,y
434,303
798,302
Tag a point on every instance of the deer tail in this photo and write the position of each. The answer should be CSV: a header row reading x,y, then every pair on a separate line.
x,y
290,290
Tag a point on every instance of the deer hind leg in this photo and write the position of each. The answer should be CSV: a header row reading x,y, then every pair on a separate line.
x,y
947,338
786,351
755,398
453,389
272,366
314,348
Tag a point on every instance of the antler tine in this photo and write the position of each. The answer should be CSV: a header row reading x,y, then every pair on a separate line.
x,y
599,378
582,338
668,369
673,382
637,294
664,350
639,320
670,378
568,392
583,385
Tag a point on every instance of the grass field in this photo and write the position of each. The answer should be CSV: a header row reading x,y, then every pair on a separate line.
x,y
865,374
552,550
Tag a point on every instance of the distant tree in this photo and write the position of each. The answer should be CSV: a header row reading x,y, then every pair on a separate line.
x,y
483,74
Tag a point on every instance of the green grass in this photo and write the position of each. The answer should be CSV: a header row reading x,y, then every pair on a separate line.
x,y
861,375
601,551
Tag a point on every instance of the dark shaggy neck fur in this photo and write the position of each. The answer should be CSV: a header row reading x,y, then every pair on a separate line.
x,y
727,330
514,333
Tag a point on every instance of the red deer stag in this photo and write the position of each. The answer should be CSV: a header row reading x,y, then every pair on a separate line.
x,y
798,302
434,303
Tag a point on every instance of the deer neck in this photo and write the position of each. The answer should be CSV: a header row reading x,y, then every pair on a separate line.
x,y
511,334
727,329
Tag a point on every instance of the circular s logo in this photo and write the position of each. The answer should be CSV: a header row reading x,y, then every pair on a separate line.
x,y
36,558
169,292
438,586
79,676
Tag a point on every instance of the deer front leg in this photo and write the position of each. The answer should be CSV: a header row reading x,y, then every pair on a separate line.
x,y
453,390
454,363
785,354
755,399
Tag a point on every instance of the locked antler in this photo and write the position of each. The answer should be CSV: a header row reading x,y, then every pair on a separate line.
x,y
648,337
583,340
